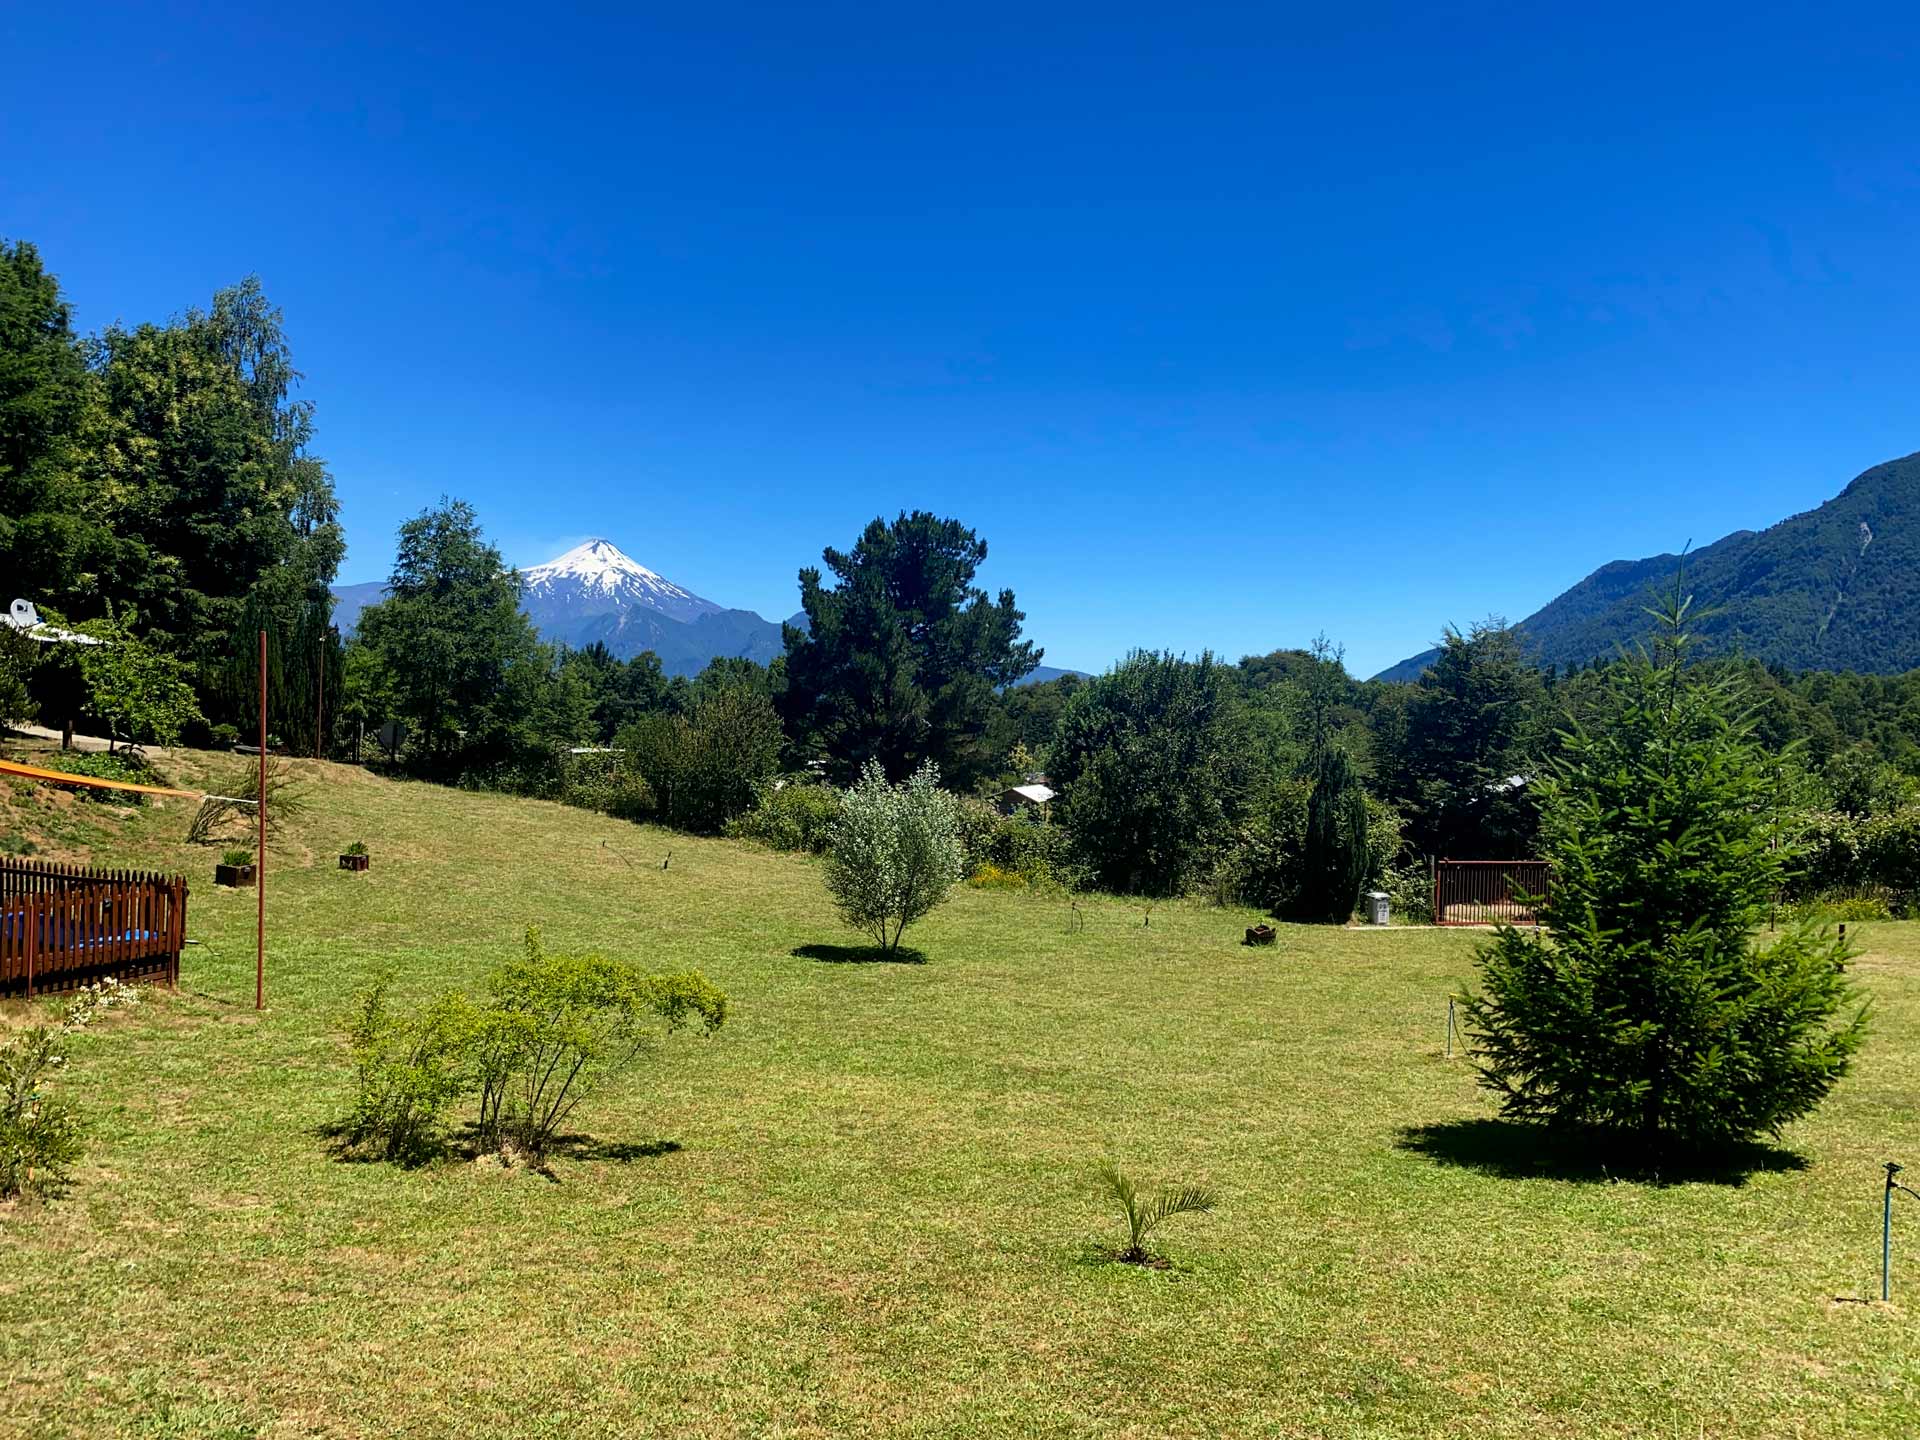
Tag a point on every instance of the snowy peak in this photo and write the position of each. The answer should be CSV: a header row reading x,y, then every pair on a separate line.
x,y
598,578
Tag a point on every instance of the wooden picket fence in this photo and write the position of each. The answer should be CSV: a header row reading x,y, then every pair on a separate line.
x,y
64,926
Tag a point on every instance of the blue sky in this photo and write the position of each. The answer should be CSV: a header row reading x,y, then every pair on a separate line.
x,y
1225,325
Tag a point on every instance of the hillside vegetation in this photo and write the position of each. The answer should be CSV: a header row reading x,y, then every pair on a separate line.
x,y
871,1204
1835,588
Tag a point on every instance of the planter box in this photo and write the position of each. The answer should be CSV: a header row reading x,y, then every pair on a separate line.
x,y
355,862
233,874
1260,935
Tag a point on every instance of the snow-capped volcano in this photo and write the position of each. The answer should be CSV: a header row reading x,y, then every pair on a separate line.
x,y
598,579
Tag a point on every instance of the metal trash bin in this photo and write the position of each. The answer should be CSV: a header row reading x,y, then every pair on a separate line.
x,y
1376,907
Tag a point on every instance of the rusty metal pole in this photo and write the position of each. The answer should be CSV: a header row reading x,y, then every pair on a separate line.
x,y
260,867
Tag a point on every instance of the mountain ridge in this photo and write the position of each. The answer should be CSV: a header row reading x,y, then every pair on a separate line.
x,y
1836,587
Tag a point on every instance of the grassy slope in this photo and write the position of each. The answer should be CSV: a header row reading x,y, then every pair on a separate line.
x,y
879,1217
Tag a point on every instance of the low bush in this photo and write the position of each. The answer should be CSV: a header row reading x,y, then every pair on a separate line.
x,y
991,877
236,857
1024,844
40,1133
556,1027
792,815
550,1031
130,769
605,784
409,1072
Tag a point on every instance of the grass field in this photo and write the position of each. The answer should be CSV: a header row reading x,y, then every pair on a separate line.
x,y
868,1206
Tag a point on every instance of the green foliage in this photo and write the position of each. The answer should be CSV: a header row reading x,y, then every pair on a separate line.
x,y
40,1133
709,766
409,1072
1472,726
124,767
1152,766
357,848
901,660
1647,1006
456,659
608,784
1146,1213
237,857
551,1030
795,815
138,693
894,851
1335,858
18,657
555,1027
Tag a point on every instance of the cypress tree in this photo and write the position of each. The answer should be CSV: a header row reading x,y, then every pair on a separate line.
x,y
1334,853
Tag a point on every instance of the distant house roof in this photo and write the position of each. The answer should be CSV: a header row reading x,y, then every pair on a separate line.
x,y
22,616
1032,794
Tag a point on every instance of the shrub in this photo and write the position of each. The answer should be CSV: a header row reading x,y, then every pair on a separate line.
x,y
90,1002
1145,1214
555,1027
409,1072
358,847
1409,893
609,785
224,737
126,768
1646,1007
894,852
236,857
40,1134
991,877
790,815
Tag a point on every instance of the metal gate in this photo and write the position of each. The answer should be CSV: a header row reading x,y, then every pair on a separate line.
x,y
1489,892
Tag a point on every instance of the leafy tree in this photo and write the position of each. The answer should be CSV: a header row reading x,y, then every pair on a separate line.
x,y
138,693
1335,860
52,541
462,664
1647,1005
706,767
901,659
17,661
894,851
1152,767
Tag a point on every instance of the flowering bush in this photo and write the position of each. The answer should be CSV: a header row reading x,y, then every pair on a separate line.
x,y
90,1002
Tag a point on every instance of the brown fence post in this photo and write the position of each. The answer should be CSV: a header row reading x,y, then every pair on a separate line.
x,y
33,940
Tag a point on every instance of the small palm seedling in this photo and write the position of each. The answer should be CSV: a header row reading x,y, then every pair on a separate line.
x,y
1145,1214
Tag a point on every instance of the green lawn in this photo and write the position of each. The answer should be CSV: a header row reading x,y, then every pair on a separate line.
x,y
867,1207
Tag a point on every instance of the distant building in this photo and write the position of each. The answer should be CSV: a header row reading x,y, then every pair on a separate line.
x,y
1025,797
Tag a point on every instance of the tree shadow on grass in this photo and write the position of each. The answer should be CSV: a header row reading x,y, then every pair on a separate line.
x,y
857,955
1510,1150
622,1152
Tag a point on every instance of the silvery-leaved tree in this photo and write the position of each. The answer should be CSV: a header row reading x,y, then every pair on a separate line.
x,y
894,852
